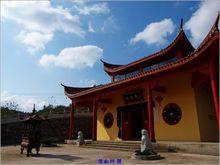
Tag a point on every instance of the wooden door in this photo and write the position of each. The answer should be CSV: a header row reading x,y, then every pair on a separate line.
x,y
125,131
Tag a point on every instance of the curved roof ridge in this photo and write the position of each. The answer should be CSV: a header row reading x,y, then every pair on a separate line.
x,y
190,58
108,65
213,30
215,26
181,35
73,90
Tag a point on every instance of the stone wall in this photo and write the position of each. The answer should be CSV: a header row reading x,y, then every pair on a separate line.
x,y
56,128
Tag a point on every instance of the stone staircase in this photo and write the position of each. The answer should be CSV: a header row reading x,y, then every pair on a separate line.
x,y
203,148
129,146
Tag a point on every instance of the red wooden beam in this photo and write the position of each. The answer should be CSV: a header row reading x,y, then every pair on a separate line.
x,y
71,127
150,114
214,86
94,128
112,78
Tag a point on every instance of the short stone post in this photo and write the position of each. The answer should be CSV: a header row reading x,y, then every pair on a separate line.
x,y
80,139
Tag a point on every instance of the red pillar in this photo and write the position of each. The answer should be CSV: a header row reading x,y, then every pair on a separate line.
x,y
214,86
150,115
94,128
112,78
71,127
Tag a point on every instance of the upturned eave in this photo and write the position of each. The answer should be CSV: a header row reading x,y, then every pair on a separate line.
x,y
180,42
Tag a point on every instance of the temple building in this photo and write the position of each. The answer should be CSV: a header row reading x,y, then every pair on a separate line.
x,y
172,93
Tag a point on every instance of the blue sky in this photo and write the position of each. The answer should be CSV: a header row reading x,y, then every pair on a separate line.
x,y
47,43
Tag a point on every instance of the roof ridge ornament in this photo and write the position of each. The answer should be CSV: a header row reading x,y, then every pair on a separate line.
x,y
181,24
34,110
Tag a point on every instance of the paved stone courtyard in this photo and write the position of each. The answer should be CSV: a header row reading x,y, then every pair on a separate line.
x,y
69,154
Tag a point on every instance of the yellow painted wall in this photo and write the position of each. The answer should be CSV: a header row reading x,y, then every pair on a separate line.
x,y
111,133
108,133
179,91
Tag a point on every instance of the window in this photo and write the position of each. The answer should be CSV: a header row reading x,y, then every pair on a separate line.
x,y
172,114
108,120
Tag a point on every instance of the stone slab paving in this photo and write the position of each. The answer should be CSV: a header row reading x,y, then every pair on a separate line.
x,y
69,154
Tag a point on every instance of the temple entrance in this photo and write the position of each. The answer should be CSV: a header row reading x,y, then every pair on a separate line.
x,y
131,120
136,123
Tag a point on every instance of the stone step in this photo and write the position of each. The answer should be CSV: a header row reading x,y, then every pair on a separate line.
x,y
204,148
120,148
117,142
118,145
111,146
126,144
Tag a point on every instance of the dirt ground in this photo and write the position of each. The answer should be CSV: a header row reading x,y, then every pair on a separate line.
x,y
69,154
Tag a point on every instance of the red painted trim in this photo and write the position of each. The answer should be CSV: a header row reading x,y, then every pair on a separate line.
x,y
71,127
94,128
150,115
214,86
112,78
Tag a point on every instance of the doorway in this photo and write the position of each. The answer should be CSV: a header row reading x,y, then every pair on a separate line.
x,y
136,123
131,119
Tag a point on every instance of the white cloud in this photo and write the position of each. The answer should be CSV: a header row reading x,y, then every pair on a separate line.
x,y
202,20
109,25
155,33
25,103
92,83
87,82
38,19
79,2
98,8
73,57
90,29
36,41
